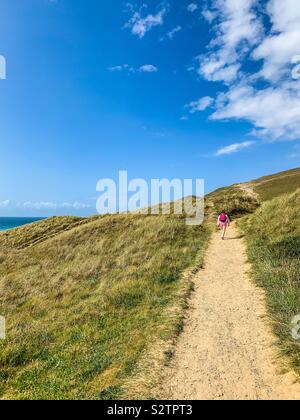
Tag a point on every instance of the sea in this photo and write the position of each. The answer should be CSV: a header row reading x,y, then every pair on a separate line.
x,y
7,223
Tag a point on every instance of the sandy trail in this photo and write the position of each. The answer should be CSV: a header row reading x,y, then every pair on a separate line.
x,y
226,350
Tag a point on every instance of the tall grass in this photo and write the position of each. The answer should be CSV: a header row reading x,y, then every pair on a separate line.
x,y
85,301
273,238
233,201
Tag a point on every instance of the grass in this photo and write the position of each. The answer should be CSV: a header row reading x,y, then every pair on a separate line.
x,y
87,300
233,201
276,185
273,239
92,305
37,232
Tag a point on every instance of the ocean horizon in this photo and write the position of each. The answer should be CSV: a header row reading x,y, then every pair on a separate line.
x,y
8,223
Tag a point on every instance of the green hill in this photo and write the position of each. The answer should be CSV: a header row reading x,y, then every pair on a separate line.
x,y
85,301
273,186
244,198
93,305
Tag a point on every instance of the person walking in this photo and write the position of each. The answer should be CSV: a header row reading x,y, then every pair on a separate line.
x,y
223,223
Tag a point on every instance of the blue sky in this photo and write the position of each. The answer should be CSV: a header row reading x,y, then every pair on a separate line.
x,y
203,89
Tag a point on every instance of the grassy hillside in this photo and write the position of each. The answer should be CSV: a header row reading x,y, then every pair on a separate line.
x,y
91,305
86,300
273,186
240,199
273,237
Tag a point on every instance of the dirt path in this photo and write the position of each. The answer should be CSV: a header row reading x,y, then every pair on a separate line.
x,y
226,350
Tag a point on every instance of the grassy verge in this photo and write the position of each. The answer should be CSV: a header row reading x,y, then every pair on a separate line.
x,y
86,302
273,238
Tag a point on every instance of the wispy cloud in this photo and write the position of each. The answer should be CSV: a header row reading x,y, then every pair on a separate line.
x,y
145,68
171,34
192,7
200,105
49,205
234,148
140,25
45,205
209,15
148,68
4,204
118,68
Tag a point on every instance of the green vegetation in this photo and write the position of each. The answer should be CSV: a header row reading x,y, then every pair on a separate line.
x,y
33,234
86,300
92,305
233,201
275,185
273,237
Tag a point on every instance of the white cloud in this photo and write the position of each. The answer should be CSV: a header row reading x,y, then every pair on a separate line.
x,y
141,25
283,43
259,65
237,30
39,205
200,105
234,148
274,111
215,70
4,204
173,32
76,205
148,68
192,7
209,15
49,205
118,68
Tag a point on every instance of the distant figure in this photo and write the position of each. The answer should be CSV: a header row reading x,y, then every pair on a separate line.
x,y
223,223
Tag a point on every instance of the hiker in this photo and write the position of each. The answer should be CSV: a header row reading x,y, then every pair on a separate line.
x,y
223,223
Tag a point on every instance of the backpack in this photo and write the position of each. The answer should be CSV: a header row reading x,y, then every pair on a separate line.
x,y
223,218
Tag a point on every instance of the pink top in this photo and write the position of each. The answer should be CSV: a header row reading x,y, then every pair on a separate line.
x,y
227,223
